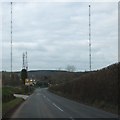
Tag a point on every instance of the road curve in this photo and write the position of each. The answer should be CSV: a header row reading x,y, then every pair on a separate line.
x,y
44,104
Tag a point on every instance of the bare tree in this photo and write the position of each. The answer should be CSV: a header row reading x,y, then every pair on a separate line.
x,y
59,68
70,68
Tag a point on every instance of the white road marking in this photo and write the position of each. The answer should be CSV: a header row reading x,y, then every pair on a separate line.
x,y
71,118
57,107
45,88
44,96
48,99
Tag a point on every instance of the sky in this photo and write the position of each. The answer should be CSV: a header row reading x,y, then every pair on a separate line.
x,y
56,34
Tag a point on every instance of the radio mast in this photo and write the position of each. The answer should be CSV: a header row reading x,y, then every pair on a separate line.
x,y
90,37
11,41
25,62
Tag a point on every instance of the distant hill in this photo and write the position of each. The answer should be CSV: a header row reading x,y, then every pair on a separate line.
x,y
54,76
33,73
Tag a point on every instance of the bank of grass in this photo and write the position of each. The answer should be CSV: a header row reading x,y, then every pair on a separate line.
x,y
9,107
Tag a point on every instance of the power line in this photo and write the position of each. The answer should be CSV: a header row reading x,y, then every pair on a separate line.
x,y
90,37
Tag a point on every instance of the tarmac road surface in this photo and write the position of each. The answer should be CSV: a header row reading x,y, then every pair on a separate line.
x,y
44,104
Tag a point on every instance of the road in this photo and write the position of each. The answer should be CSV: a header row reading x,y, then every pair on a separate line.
x,y
44,104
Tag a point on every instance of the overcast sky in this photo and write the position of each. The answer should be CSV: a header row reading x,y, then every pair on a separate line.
x,y
56,35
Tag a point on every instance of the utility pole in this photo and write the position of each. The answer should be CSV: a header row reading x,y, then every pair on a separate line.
x,y
11,41
90,37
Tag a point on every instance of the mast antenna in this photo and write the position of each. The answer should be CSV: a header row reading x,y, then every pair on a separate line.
x,y
11,40
23,61
26,62
90,37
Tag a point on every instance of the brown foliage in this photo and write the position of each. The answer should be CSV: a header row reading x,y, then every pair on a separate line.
x,y
100,85
10,81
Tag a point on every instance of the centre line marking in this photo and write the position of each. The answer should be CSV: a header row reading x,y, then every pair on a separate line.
x,y
44,96
71,118
37,94
48,99
57,107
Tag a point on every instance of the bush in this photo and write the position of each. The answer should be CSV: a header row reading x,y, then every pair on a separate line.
x,y
7,94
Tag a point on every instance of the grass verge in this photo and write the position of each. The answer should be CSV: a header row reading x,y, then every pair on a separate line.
x,y
9,107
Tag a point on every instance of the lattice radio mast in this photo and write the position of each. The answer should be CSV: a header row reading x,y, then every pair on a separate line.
x,y
11,40
90,37
25,62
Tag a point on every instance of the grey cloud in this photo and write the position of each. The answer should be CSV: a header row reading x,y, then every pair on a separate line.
x,y
56,34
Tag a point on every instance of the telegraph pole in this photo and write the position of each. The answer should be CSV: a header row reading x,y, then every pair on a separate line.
x,y
90,37
11,41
